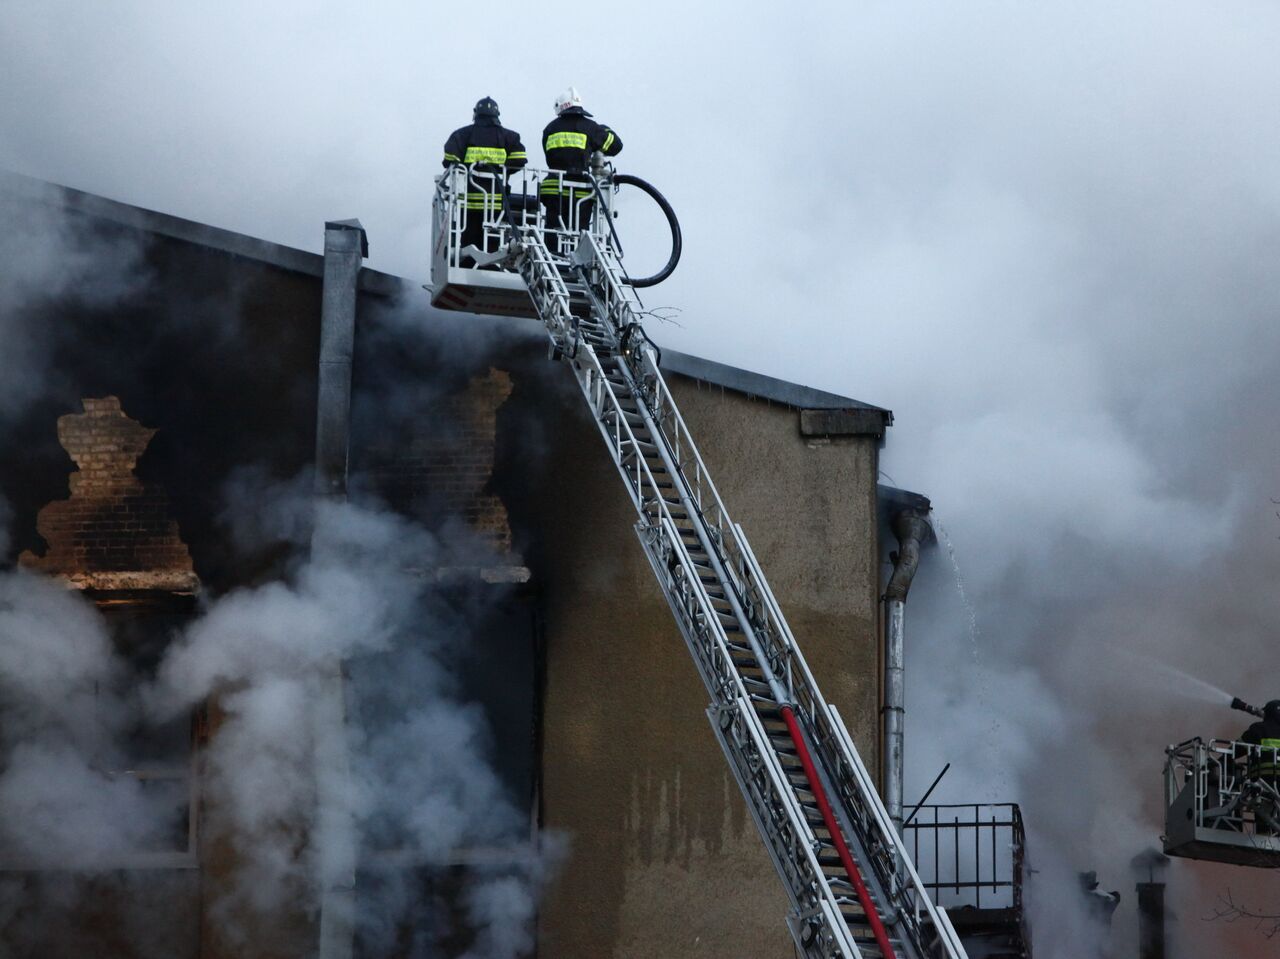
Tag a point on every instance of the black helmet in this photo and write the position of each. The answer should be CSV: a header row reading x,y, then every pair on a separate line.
x,y
1272,710
486,107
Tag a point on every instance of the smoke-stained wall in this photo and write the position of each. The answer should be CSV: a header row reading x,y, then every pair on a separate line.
x,y
183,371
510,659
213,351
142,371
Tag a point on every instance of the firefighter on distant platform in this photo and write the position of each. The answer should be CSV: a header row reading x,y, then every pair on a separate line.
x,y
1265,767
569,141
1266,733
486,147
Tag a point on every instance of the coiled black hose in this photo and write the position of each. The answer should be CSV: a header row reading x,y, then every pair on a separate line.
x,y
677,242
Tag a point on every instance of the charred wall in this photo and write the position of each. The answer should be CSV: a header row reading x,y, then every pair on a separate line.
x,y
214,352
205,367
596,714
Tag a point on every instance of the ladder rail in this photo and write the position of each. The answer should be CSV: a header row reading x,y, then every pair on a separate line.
x,y
702,631
902,901
786,831
698,623
924,902
833,741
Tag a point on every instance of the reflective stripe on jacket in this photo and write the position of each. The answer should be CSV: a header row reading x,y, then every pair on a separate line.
x,y
555,185
1269,763
486,144
573,136
1264,733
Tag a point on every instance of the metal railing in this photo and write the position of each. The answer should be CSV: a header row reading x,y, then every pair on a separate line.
x,y
507,200
1225,785
970,854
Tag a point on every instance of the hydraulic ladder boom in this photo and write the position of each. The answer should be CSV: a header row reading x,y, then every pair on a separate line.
x,y
853,891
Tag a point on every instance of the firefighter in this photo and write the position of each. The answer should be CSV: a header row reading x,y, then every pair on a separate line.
x,y
1266,767
568,141
486,147
1266,733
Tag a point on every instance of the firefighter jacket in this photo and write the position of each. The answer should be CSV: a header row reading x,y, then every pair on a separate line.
x,y
486,146
1265,733
569,140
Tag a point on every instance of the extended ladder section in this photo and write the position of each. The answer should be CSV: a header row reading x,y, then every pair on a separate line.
x,y
853,891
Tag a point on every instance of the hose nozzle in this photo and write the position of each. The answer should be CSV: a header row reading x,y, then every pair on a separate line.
x,y
1240,704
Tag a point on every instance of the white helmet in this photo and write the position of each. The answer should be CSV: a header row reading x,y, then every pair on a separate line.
x,y
568,99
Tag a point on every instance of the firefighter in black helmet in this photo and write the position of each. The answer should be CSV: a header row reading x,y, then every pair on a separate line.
x,y
486,147
568,141
1265,766
1266,733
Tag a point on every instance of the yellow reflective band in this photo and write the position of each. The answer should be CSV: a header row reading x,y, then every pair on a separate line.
x,y
566,141
565,192
518,155
1271,744
485,155
608,141
454,157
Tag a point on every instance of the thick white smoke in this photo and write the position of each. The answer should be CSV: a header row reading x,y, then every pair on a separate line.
x,y
415,780
64,713
49,258
1043,235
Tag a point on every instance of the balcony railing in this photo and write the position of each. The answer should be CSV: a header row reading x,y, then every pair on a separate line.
x,y
970,855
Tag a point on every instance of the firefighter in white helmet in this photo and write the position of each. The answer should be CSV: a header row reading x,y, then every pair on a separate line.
x,y
568,141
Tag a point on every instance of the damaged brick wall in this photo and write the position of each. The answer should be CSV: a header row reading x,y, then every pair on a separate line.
x,y
114,532
446,466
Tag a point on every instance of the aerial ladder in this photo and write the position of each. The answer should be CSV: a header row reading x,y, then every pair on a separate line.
x,y
853,890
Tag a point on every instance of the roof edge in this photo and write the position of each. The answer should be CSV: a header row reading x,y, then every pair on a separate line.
x,y
189,231
762,386
378,283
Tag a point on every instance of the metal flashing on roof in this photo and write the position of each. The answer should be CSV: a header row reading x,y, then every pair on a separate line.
x,y
766,387
890,501
849,422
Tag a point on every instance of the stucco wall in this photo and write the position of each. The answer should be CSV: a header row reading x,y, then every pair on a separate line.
x,y
664,859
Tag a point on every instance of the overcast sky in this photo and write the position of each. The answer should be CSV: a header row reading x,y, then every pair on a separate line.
x,y
1045,237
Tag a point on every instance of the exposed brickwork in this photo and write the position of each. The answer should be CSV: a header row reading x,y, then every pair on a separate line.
x,y
447,466
114,532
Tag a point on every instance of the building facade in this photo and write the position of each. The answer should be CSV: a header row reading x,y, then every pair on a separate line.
x,y
164,407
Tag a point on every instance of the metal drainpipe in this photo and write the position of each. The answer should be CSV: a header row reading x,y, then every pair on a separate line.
x,y
345,247
912,528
